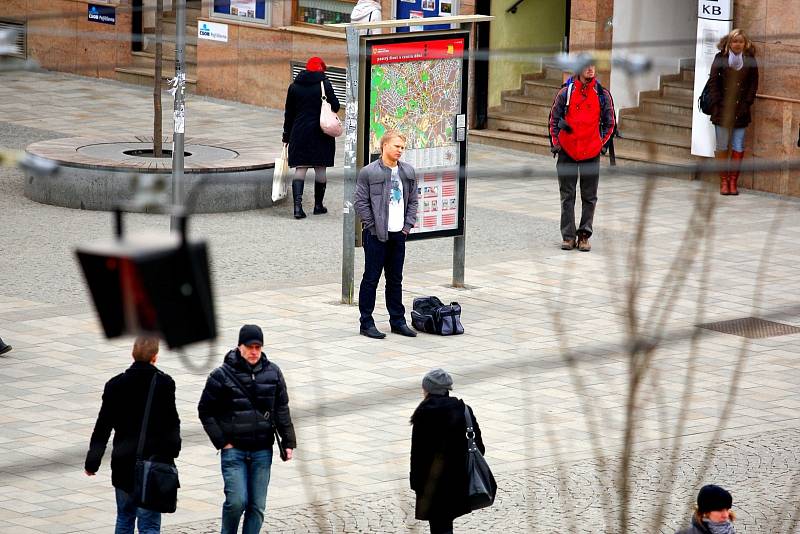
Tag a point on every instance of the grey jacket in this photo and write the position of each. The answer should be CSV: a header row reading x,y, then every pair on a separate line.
x,y
373,190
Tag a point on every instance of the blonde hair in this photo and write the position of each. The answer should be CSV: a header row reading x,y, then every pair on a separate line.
x,y
145,349
724,44
391,134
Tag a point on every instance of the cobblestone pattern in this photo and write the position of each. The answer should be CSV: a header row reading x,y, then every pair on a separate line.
x,y
761,471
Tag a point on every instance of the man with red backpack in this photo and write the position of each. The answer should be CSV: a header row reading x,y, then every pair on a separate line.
x,y
582,122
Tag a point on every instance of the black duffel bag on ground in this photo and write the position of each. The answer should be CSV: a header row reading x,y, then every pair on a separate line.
x,y
434,317
155,484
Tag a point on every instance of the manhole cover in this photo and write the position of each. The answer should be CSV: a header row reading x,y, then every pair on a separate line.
x,y
751,327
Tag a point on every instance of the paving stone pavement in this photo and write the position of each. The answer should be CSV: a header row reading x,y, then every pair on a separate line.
x,y
543,361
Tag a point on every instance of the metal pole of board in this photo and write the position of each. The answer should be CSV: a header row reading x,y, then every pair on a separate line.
x,y
460,241
350,170
179,111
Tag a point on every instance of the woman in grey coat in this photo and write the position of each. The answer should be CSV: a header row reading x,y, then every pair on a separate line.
x,y
713,514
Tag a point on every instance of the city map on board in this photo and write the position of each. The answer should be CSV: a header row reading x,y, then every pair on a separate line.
x,y
416,88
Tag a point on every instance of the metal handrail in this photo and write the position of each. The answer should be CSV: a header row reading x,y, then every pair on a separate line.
x,y
513,9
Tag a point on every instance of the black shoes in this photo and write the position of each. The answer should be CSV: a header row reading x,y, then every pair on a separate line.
x,y
3,347
404,330
372,332
297,195
319,195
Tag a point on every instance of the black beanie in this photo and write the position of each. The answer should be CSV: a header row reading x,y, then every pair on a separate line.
x,y
713,498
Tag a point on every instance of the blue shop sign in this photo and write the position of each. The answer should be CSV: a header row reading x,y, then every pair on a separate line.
x,y
102,14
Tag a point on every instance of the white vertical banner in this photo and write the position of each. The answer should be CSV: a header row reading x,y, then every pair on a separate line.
x,y
714,21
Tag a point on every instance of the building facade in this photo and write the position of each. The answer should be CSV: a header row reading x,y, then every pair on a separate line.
x,y
252,48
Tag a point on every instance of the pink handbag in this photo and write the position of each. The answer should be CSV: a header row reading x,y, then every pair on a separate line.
x,y
328,120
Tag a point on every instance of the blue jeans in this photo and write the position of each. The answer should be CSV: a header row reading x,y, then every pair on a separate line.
x,y
246,477
127,514
388,258
733,137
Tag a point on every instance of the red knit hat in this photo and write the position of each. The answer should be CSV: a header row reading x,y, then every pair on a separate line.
x,y
316,64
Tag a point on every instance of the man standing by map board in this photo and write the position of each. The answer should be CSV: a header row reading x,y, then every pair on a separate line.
x,y
386,202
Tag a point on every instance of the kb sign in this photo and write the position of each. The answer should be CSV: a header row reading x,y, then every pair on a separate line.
x,y
714,9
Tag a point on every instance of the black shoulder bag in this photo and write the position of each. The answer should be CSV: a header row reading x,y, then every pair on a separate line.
x,y
278,441
482,487
155,484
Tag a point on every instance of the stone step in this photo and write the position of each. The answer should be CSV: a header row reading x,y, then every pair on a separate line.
x,y
541,89
666,105
671,167
147,60
547,73
513,122
168,51
511,140
669,124
687,75
526,105
144,76
678,89
655,143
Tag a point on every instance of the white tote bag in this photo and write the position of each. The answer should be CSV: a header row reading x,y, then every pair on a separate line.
x,y
280,176
328,120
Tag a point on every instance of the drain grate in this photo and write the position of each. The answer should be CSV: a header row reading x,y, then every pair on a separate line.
x,y
751,327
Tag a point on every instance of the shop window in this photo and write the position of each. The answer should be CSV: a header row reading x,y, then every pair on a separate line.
x,y
324,11
246,10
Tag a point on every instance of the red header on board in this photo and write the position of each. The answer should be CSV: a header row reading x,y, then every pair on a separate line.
x,y
417,51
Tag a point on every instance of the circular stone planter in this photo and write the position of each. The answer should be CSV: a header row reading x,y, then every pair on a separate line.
x,y
96,173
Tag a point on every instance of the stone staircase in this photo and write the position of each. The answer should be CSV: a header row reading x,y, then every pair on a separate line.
x,y
142,69
659,130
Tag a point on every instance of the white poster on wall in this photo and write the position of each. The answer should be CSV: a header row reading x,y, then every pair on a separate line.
x,y
714,21
212,31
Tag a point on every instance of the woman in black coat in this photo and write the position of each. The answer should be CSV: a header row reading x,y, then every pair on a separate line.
x,y
713,514
309,146
439,454
734,83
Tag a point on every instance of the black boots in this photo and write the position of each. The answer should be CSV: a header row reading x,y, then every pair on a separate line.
x,y
297,194
3,347
319,194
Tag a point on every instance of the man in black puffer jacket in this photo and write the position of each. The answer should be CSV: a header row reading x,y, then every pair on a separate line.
x,y
243,431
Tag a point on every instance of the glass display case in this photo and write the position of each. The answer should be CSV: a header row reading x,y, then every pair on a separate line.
x,y
324,11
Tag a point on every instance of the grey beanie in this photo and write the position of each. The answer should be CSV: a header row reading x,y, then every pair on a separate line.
x,y
437,381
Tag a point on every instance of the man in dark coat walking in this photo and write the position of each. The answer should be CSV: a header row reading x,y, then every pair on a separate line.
x,y
439,454
309,146
124,400
243,431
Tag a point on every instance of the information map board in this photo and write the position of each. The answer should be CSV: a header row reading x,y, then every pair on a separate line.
x,y
417,83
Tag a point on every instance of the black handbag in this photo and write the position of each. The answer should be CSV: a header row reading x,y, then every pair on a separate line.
x,y
155,484
278,441
704,100
482,487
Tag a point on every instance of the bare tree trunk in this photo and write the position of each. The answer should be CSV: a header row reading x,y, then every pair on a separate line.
x,y
157,123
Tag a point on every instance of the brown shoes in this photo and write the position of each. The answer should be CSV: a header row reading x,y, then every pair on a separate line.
x,y
583,244
568,244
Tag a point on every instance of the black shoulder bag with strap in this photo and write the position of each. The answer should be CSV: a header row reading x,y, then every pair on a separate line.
x,y
155,484
267,415
482,487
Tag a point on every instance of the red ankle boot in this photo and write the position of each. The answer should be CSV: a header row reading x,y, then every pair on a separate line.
x,y
733,176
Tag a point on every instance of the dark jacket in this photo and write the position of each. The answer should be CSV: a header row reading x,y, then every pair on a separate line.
x,y
124,399
439,457
309,146
229,417
373,191
590,118
695,528
733,91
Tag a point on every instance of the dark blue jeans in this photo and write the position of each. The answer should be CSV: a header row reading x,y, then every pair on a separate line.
x,y
388,258
246,477
149,522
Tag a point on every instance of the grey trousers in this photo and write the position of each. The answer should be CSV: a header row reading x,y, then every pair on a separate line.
x,y
569,171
